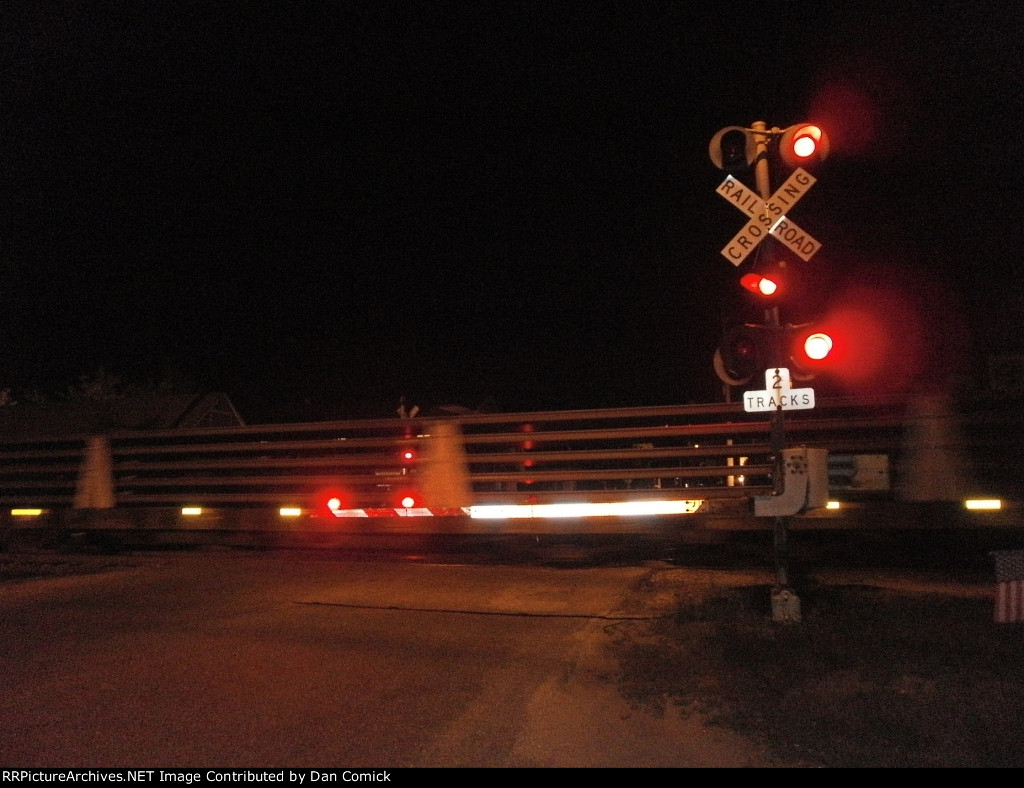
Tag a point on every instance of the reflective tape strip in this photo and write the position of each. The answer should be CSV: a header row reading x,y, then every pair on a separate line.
x,y
400,512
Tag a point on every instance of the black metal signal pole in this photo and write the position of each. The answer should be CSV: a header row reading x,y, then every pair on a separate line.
x,y
762,174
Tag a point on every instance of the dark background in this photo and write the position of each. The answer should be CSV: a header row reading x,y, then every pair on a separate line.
x,y
322,208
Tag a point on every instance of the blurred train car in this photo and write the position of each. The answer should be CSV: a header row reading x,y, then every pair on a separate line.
x,y
670,470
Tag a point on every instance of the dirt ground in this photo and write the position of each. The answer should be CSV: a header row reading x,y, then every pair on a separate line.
x,y
885,669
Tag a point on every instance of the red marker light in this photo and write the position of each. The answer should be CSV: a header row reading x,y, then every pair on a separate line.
x,y
332,501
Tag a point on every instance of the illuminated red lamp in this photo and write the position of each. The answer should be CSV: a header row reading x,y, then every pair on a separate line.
x,y
803,145
818,346
811,347
761,285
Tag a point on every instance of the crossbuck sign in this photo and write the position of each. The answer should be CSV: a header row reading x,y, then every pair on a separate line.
x,y
768,218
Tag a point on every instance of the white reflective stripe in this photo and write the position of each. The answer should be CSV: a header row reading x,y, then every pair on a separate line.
x,y
564,510
539,511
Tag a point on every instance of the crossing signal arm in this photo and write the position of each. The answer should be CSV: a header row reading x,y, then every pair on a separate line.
x,y
748,350
735,148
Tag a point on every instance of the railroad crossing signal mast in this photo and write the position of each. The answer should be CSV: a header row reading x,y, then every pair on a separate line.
x,y
751,349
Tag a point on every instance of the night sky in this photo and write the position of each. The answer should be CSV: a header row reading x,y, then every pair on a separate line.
x,y
505,205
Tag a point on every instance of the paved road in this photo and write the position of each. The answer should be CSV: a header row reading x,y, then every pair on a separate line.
x,y
278,660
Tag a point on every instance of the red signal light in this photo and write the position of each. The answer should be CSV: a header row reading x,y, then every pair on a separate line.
x,y
817,346
811,348
806,143
803,144
408,455
407,497
770,281
761,285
